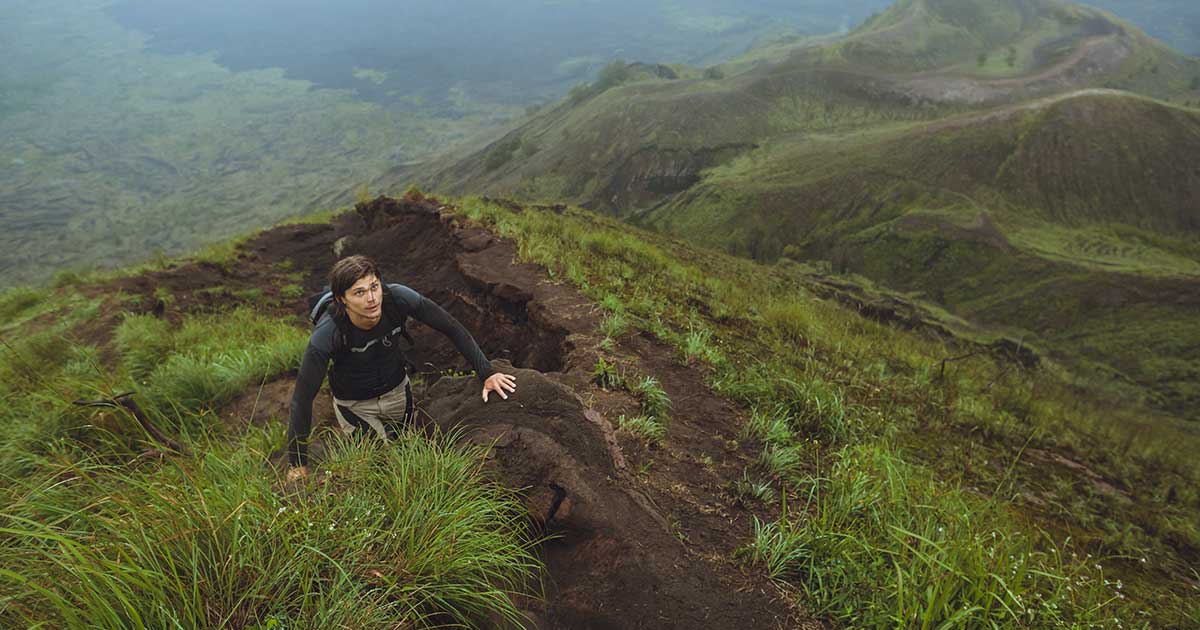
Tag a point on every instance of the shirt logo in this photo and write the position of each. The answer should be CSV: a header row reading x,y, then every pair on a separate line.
x,y
385,340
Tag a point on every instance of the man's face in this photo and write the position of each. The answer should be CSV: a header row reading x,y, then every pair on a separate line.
x,y
364,300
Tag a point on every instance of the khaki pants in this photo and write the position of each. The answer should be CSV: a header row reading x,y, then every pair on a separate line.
x,y
380,415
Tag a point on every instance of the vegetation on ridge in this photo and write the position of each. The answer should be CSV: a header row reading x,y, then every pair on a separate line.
x,y
100,527
922,481
1053,220
920,490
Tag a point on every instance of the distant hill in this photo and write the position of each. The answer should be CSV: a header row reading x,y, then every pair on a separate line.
x,y
648,135
1077,159
1025,163
1058,219
928,34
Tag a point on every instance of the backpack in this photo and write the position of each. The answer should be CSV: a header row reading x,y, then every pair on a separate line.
x,y
321,303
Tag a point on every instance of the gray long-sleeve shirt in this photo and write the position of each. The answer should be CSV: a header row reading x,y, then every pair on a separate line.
x,y
370,362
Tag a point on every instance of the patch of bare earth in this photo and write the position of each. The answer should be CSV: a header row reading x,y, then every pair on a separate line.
x,y
1091,60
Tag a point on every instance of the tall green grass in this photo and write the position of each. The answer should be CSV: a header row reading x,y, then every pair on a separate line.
x,y
95,533
41,373
17,300
408,535
208,359
878,543
834,391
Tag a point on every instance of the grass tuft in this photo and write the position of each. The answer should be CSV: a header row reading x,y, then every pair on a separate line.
x,y
209,358
608,375
614,325
411,535
16,301
655,402
646,427
698,346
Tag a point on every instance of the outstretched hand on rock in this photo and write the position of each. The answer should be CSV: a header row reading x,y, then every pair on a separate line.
x,y
499,383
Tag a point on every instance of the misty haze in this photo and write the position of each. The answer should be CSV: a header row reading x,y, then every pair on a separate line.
x,y
569,314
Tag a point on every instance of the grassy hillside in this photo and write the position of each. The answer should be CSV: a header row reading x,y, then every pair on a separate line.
x,y
901,474
1076,160
924,34
103,526
920,477
904,152
633,139
1047,219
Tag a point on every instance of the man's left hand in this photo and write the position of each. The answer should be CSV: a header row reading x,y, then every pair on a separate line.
x,y
499,383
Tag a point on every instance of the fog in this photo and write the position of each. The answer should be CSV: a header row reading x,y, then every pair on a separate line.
x,y
133,126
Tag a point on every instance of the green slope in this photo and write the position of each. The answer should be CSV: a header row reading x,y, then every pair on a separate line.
x,y
1061,219
627,142
974,152
1074,160
996,495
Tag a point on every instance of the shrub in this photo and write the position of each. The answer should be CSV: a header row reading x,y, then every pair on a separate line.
x,y
500,154
578,94
529,148
612,75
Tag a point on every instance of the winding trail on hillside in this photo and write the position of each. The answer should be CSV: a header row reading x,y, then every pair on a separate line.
x,y
642,537
1092,57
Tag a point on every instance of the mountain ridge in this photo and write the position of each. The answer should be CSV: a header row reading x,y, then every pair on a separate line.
x,y
1037,164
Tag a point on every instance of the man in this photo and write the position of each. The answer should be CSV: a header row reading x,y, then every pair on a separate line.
x,y
361,335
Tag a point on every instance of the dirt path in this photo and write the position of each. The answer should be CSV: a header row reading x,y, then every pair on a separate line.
x,y
644,537
1085,49
1093,58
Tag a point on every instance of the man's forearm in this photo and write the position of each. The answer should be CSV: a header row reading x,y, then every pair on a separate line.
x,y
438,319
299,427
308,382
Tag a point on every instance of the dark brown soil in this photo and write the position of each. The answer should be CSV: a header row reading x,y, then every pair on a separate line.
x,y
644,537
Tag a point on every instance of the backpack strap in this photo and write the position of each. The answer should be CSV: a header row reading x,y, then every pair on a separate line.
x,y
341,339
322,305
318,304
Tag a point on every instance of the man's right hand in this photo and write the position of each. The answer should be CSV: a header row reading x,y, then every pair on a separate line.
x,y
297,472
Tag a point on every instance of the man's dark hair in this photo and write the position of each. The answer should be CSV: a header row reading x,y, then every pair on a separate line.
x,y
346,272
